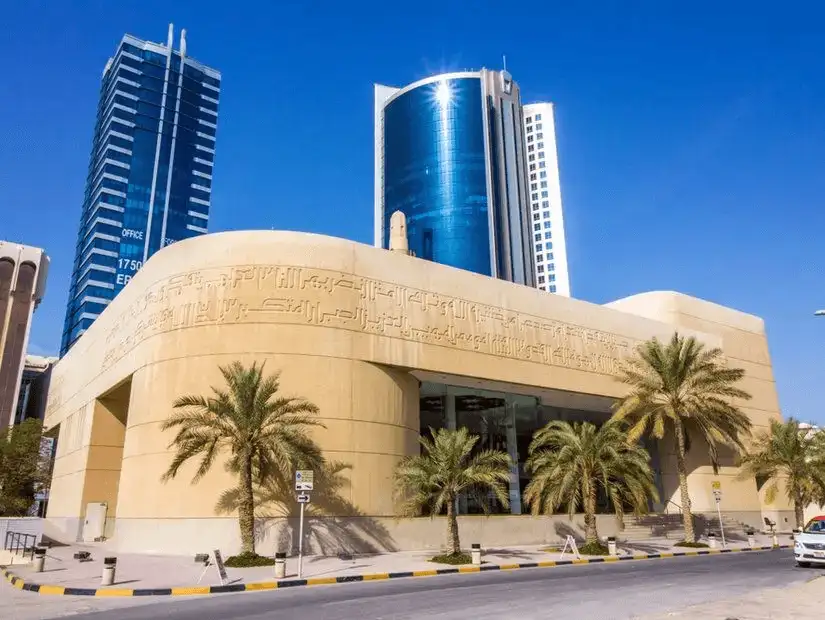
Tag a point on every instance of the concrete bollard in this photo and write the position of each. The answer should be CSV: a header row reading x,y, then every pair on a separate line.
x,y
751,539
775,540
280,565
611,545
39,559
476,554
712,540
108,576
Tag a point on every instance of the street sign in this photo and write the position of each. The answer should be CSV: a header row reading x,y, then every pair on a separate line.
x,y
303,498
221,567
304,479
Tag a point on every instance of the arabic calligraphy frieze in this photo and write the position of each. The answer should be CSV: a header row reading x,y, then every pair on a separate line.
x,y
308,296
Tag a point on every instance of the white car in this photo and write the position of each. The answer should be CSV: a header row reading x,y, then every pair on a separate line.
x,y
809,547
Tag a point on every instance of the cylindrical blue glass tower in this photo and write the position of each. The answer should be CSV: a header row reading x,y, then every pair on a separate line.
x,y
436,171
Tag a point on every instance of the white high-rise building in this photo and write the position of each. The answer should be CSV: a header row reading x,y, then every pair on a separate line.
x,y
549,246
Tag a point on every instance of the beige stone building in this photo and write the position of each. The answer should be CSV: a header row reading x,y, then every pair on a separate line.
x,y
386,345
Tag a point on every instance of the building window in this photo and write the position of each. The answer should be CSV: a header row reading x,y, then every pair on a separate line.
x,y
546,214
541,279
544,194
545,204
549,246
547,223
540,268
530,148
532,167
538,118
544,184
534,186
535,206
537,226
535,196
538,247
535,216
548,235
538,236
552,277
552,288
550,255
543,174
532,157
529,129
533,177
551,267
541,164
539,257
538,127
541,155
540,145
529,138
530,118
540,136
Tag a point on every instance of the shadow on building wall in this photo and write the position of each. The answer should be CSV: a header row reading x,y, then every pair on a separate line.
x,y
332,523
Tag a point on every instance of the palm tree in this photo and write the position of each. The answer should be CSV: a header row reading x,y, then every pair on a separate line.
x,y
571,463
791,454
263,433
685,389
445,468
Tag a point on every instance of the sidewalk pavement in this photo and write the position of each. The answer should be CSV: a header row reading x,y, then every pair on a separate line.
x,y
139,572
802,602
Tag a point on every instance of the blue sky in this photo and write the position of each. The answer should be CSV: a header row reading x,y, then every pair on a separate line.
x,y
691,140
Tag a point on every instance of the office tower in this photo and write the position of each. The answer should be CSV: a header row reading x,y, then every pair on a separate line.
x,y
449,154
550,249
23,272
150,173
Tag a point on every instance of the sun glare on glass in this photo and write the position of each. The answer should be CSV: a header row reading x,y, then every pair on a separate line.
x,y
443,94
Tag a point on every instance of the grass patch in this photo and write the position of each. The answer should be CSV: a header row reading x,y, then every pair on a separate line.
x,y
692,545
247,560
453,558
594,548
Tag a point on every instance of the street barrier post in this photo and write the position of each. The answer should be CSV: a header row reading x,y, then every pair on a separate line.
x,y
280,565
476,553
39,559
108,576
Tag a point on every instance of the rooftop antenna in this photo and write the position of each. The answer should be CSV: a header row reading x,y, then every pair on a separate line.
x,y
504,61
170,37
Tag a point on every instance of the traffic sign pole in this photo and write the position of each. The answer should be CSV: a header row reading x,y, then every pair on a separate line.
x,y
301,544
719,513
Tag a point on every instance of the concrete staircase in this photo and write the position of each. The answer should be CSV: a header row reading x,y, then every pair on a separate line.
x,y
655,525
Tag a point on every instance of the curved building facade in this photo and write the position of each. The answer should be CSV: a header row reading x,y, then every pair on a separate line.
x,y
387,346
450,156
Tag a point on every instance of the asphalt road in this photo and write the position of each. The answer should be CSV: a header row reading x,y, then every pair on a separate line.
x,y
592,592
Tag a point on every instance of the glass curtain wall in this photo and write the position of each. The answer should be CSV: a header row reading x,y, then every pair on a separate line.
x,y
506,422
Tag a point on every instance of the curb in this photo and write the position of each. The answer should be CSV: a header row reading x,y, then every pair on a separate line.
x,y
45,589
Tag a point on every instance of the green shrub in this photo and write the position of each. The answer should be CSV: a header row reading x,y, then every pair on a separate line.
x,y
692,545
247,560
453,558
595,548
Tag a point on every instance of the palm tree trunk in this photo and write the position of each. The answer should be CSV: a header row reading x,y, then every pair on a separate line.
x,y
246,509
799,510
591,534
454,546
687,514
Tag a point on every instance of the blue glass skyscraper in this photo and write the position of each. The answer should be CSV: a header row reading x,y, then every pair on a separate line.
x,y
150,173
449,154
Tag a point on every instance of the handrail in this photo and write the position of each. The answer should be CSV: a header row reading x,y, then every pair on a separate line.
x,y
667,505
17,542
